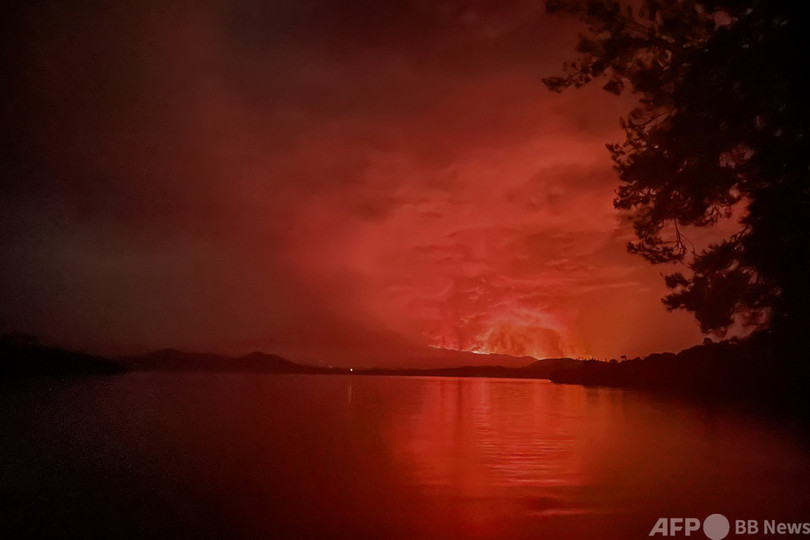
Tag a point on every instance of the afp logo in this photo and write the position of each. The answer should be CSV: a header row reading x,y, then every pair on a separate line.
x,y
715,527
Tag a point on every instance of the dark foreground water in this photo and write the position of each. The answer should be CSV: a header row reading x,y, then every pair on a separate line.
x,y
229,456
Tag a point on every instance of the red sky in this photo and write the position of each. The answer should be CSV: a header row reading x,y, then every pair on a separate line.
x,y
329,180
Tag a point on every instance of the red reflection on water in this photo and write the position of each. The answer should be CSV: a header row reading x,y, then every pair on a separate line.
x,y
526,459
487,443
386,457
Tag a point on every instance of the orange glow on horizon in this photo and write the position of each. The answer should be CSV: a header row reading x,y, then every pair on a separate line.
x,y
505,339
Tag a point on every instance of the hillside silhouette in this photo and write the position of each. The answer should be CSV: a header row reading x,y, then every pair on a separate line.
x,y
173,360
759,368
22,356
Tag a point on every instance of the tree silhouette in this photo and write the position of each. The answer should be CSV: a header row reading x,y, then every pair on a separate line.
x,y
721,126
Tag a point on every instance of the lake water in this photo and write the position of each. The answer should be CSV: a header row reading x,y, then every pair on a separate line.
x,y
230,456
